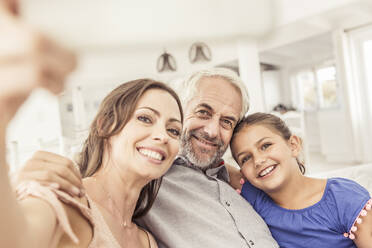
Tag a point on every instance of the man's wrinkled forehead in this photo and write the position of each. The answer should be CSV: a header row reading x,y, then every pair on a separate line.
x,y
218,89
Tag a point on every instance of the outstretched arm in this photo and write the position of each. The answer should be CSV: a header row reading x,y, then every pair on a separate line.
x,y
28,60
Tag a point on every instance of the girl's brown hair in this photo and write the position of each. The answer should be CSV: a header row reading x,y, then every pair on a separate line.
x,y
114,113
270,121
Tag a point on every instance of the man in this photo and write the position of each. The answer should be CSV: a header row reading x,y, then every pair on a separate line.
x,y
196,207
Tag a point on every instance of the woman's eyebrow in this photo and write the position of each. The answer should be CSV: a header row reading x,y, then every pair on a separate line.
x,y
174,120
153,110
157,113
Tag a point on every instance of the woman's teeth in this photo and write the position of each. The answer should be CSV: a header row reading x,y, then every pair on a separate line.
x,y
151,154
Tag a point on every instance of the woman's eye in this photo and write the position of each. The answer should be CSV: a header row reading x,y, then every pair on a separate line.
x,y
144,118
265,146
174,132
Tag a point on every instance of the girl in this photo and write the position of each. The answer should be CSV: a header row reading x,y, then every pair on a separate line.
x,y
300,211
132,142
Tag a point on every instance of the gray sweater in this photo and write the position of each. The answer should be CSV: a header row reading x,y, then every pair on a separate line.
x,y
200,209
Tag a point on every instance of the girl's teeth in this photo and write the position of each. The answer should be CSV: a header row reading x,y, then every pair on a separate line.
x,y
266,171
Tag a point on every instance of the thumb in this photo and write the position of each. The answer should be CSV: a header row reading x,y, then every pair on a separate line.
x,y
9,7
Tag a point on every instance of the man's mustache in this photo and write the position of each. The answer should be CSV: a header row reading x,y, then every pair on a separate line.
x,y
203,135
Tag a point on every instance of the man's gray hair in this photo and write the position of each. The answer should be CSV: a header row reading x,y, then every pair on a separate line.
x,y
190,89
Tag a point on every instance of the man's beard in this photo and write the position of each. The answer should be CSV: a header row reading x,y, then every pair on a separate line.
x,y
188,151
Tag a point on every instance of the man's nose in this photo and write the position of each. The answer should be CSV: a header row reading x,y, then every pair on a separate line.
x,y
212,127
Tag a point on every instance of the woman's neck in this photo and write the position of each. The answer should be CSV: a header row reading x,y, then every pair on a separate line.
x,y
116,191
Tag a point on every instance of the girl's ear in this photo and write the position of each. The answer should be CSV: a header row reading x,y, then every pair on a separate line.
x,y
295,144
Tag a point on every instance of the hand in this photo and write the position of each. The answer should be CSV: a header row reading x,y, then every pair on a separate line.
x,y
28,60
54,170
236,177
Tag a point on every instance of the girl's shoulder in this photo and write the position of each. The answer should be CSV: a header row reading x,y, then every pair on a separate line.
x,y
342,190
345,199
256,197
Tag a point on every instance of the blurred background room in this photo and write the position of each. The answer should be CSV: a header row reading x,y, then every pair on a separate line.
x,y
306,61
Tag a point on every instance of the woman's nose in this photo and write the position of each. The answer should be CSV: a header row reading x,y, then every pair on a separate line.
x,y
161,135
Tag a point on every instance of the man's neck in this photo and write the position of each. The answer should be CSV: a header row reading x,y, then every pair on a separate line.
x,y
199,167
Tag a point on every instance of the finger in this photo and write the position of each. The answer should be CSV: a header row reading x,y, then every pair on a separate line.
x,y
62,59
56,182
54,158
59,169
11,6
241,181
8,7
52,74
40,173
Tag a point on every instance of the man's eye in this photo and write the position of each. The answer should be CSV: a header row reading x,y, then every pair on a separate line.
x,y
227,124
144,119
174,132
202,112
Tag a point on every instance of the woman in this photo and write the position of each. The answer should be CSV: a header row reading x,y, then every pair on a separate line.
x,y
132,142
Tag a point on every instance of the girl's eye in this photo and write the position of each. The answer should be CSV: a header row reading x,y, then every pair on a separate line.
x,y
265,146
174,132
144,119
245,159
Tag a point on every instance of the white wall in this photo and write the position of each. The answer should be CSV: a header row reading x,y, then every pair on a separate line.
x,y
272,88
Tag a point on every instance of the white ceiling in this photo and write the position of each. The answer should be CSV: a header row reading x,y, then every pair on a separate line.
x,y
84,23
116,22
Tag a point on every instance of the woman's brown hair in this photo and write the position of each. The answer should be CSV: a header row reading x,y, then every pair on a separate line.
x,y
113,114
270,121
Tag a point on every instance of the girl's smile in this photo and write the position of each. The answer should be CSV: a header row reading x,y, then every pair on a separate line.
x,y
266,159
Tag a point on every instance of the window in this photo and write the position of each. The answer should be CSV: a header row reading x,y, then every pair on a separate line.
x,y
326,79
318,88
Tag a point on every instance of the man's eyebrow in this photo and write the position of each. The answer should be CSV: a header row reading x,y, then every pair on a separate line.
x,y
204,105
158,114
231,118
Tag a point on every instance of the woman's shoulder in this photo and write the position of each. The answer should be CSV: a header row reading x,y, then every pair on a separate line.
x,y
78,214
72,213
147,239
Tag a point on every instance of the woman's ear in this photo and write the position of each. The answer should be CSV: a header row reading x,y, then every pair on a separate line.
x,y
295,144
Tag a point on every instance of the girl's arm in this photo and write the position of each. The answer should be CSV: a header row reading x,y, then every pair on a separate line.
x,y
363,236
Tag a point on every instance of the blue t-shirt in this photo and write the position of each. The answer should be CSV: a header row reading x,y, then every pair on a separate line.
x,y
320,225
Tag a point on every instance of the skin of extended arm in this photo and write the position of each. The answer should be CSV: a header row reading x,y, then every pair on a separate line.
x,y
15,230
363,236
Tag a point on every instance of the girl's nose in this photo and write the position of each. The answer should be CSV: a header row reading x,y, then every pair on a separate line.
x,y
259,162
